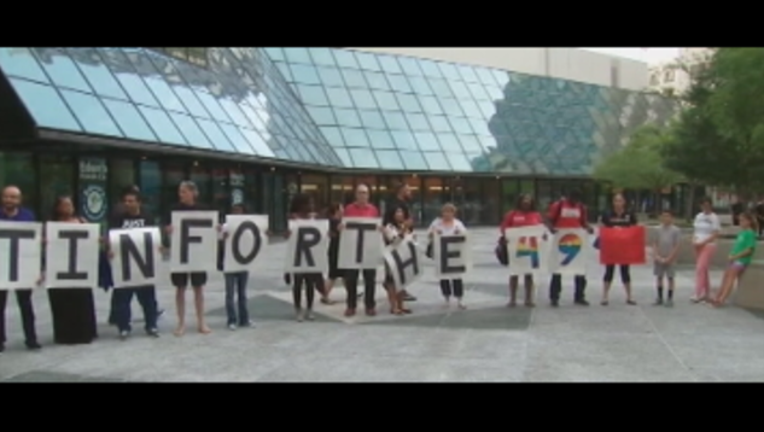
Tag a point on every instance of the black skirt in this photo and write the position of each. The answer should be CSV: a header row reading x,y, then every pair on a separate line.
x,y
74,319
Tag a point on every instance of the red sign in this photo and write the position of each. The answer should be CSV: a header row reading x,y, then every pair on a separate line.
x,y
622,245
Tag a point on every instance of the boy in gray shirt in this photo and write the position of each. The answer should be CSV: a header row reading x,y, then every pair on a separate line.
x,y
665,247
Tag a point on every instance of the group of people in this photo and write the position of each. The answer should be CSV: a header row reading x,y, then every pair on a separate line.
x,y
73,310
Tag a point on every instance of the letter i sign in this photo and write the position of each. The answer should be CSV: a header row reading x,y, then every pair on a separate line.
x,y
528,247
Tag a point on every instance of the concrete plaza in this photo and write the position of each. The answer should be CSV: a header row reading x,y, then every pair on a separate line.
x,y
486,342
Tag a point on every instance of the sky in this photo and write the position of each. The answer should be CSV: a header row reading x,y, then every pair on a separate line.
x,y
649,55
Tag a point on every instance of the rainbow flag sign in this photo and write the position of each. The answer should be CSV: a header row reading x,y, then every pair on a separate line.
x,y
569,252
527,250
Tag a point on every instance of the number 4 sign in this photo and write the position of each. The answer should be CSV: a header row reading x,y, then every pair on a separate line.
x,y
526,250
569,252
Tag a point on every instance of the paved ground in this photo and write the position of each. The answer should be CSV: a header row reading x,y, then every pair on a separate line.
x,y
487,342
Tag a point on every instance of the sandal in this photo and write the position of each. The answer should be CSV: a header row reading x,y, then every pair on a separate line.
x,y
631,302
326,301
397,312
511,304
604,303
530,304
405,311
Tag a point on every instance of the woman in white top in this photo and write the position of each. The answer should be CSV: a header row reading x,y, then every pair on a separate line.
x,y
393,233
448,224
706,230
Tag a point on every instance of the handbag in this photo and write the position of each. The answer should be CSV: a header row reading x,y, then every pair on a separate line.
x,y
429,253
502,251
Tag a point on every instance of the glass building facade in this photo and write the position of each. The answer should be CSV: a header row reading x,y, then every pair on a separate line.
x,y
261,124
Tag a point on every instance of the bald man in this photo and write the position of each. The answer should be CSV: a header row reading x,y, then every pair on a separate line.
x,y
362,208
13,212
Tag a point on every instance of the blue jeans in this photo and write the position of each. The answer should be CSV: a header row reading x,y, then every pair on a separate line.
x,y
122,298
236,282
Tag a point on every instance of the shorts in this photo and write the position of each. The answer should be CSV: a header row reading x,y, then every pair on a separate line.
x,y
180,280
737,265
663,270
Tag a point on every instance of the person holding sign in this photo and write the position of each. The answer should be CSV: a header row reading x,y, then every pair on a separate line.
x,y
335,219
395,232
13,212
568,212
448,224
302,209
617,216
187,196
524,215
706,229
235,281
73,309
400,200
740,257
360,208
133,216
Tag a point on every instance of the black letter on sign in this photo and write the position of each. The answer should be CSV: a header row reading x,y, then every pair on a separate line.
x,y
186,238
13,237
401,265
445,254
362,228
307,237
236,239
71,273
128,249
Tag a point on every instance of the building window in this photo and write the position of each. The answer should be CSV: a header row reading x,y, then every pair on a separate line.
x,y
668,76
197,55
655,79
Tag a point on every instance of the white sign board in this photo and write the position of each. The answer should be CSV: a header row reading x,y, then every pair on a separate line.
x,y
246,238
71,251
569,252
361,244
20,255
452,254
307,246
526,250
136,256
404,261
194,241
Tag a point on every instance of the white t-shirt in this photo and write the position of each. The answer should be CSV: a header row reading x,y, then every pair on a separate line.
x,y
705,226
456,226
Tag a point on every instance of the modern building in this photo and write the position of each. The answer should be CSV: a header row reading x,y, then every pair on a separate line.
x,y
675,77
260,124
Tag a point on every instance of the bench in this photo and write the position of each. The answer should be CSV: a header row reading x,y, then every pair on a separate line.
x,y
750,288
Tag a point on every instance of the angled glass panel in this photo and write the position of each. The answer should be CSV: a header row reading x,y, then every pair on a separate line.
x,y
313,95
363,99
399,83
487,108
216,136
61,69
404,140
485,76
165,95
282,154
437,161
322,116
355,137
275,53
471,144
471,109
389,159
377,81
451,107
427,141
130,80
344,156
439,123
410,66
440,87
418,122
330,77
367,61
380,139
322,56
253,117
502,77
90,112
363,158
449,143
354,78
196,78
284,69
236,138
333,136
460,90
234,112
449,71
347,117
45,105
372,119
478,92
461,125
488,142
213,107
495,93
190,130
408,103
395,120
346,59
430,68
162,125
339,97
430,105
97,73
420,86
413,160
257,142
480,126
386,100
389,64
297,55
305,74
468,73
20,62
129,120
459,161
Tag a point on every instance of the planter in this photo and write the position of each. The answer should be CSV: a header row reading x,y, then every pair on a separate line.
x,y
750,288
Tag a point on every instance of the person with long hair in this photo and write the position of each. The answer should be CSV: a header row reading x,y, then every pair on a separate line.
x,y
740,257
302,208
334,213
617,216
706,229
523,215
394,232
73,309
448,224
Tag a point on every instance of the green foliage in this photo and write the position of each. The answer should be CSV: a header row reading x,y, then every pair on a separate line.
x,y
640,164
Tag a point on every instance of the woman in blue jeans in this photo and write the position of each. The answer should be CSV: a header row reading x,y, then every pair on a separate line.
x,y
235,285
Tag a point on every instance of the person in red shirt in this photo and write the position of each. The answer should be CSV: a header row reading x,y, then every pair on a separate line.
x,y
568,212
361,207
523,215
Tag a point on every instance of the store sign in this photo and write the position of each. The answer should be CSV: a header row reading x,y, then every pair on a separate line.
x,y
93,174
93,170
236,179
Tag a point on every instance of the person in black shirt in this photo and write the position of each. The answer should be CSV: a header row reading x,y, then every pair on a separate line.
x,y
187,196
400,201
335,218
617,216
133,216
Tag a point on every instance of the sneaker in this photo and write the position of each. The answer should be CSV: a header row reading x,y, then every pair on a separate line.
x,y
2,348
349,312
658,302
248,324
669,303
309,316
408,297
555,303
153,333
123,335
160,312
581,302
299,316
232,327
696,300
371,312
34,346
